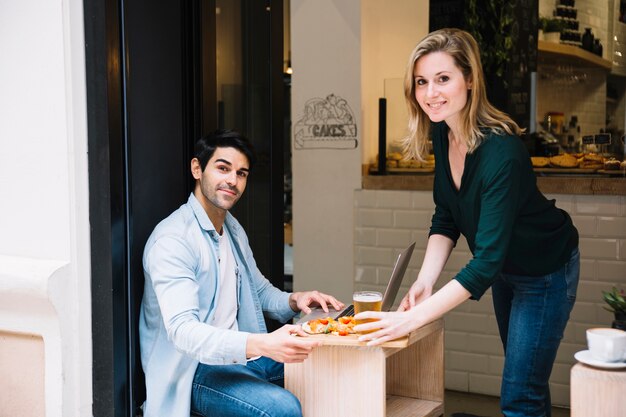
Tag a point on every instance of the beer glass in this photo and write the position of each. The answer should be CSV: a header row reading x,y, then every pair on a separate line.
x,y
367,301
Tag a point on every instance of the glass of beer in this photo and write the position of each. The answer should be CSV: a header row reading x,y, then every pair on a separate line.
x,y
367,301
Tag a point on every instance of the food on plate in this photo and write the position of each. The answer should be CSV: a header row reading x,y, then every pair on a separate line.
x,y
394,156
392,164
343,326
564,161
540,161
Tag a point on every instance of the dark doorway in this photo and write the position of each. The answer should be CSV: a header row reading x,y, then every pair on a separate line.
x,y
156,81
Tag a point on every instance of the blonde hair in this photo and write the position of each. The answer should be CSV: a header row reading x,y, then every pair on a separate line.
x,y
477,114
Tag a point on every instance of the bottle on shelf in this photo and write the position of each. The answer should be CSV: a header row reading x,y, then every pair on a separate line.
x,y
597,47
587,40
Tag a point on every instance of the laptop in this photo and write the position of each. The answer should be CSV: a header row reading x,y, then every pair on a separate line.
x,y
388,298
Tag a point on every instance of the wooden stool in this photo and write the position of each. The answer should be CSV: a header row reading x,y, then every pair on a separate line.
x,y
597,392
400,378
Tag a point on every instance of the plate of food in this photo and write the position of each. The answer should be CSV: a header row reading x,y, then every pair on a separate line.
x,y
343,326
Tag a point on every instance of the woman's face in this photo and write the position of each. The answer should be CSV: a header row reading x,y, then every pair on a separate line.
x,y
440,87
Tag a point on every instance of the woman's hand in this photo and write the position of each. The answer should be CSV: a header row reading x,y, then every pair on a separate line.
x,y
417,293
390,325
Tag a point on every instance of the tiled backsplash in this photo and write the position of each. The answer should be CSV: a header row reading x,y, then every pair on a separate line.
x,y
556,92
586,100
387,221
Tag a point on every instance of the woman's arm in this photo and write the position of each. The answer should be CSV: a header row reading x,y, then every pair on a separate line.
x,y
392,325
437,253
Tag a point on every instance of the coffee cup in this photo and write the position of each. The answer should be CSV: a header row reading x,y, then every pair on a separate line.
x,y
607,345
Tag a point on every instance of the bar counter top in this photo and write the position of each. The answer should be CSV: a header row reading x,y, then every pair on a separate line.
x,y
573,184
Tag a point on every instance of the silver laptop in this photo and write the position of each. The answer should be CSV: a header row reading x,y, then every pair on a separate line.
x,y
388,298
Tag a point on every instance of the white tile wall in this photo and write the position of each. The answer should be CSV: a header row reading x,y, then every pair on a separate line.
x,y
587,100
474,356
592,14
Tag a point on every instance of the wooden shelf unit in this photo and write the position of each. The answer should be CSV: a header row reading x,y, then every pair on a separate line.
x,y
597,392
401,378
552,51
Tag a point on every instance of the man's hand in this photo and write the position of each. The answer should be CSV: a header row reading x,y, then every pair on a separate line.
x,y
301,301
282,345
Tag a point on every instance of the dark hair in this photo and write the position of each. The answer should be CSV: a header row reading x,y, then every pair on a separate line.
x,y
206,145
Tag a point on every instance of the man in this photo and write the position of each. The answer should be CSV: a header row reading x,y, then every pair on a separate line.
x,y
204,345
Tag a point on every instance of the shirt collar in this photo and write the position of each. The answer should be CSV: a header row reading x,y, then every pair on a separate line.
x,y
203,219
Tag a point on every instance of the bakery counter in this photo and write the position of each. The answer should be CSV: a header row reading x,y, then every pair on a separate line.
x,y
576,184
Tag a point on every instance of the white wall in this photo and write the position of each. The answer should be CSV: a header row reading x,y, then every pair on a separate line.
x,y
44,243
390,30
326,59
347,48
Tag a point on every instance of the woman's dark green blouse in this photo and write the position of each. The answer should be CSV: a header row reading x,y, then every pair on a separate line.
x,y
509,225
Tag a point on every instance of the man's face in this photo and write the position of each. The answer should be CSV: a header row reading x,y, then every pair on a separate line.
x,y
223,180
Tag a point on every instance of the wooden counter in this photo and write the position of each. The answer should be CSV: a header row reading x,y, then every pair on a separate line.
x,y
573,184
400,378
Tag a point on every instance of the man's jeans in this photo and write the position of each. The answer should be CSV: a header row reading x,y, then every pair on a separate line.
x,y
532,313
242,391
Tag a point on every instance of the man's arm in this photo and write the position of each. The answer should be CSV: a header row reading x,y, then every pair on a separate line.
x,y
282,345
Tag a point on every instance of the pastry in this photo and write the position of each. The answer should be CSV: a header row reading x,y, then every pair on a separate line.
x,y
414,163
612,164
404,163
592,161
394,156
540,161
564,161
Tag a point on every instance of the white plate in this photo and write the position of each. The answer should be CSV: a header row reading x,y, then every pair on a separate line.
x,y
585,357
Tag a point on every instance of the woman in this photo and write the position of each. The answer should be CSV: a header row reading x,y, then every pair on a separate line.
x,y
523,247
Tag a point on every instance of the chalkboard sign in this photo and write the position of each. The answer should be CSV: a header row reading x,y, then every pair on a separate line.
x,y
588,140
602,139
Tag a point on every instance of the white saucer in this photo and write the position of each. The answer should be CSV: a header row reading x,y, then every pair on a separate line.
x,y
585,357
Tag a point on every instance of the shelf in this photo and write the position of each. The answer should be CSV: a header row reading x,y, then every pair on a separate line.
x,y
551,51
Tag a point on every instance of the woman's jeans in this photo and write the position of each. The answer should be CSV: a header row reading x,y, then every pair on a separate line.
x,y
237,390
532,313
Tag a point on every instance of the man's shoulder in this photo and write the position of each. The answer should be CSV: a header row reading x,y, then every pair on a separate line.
x,y
178,224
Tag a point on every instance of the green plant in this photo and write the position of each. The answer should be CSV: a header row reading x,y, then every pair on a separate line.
x,y
616,301
552,25
490,23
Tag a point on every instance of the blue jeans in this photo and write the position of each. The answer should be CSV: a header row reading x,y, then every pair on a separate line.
x,y
532,313
243,391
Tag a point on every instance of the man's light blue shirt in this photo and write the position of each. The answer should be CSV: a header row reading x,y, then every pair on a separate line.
x,y
180,264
